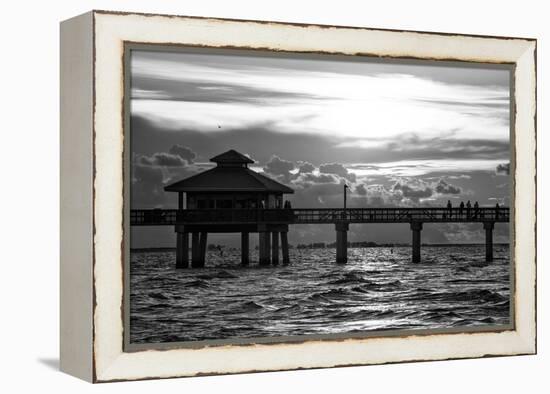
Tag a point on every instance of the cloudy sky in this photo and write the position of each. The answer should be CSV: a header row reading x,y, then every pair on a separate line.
x,y
399,134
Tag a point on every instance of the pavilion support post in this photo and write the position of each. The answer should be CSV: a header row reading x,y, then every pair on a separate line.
x,y
284,247
488,226
416,228
182,250
267,244
342,242
245,257
261,248
275,248
202,244
195,250
264,246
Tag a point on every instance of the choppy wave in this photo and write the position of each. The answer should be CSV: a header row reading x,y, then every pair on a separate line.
x,y
379,289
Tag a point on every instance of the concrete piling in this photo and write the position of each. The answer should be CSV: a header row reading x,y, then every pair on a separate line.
x,y
202,244
488,226
284,247
264,247
195,250
245,254
341,242
275,248
416,228
182,250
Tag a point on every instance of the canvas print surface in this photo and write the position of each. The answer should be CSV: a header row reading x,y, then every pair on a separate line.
x,y
283,196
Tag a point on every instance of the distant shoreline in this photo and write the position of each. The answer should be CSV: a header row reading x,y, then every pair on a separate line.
x,y
351,246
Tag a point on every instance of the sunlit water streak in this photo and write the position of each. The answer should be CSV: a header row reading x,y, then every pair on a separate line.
x,y
377,290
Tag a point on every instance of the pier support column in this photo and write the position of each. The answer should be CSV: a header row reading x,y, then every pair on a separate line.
x,y
342,242
284,247
416,227
267,245
264,246
245,259
202,243
275,248
195,250
182,250
488,226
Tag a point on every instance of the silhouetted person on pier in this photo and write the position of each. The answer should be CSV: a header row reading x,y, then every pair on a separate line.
x,y
476,209
450,208
468,208
497,209
461,208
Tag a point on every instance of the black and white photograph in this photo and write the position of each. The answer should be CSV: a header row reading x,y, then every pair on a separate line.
x,y
254,197
295,196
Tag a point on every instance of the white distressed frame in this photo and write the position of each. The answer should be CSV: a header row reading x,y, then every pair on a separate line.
x,y
111,30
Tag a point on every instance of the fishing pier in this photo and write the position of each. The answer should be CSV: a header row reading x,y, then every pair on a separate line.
x,y
231,198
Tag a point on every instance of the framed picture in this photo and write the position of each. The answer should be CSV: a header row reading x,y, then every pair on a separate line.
x,y
244,196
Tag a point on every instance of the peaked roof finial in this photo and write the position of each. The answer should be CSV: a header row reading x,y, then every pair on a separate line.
x,y
231,157
230,175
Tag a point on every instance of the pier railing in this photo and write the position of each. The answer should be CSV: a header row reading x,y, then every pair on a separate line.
x,y
401,215
159,217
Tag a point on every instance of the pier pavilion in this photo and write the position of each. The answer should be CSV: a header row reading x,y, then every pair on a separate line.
x,y
231,187
231,198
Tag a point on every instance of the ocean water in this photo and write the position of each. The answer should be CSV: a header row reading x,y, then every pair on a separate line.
x,y
378,289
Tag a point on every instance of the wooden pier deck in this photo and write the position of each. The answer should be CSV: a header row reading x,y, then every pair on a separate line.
x,y
171,217
272,224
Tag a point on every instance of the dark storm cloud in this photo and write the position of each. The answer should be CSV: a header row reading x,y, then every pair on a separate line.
x,y
305,147
478,186
503,169
283,171
417,188
162,159
177,156
150,173
147,174
337,169
451,74
317,195
407,191
443,187
311,189
279,167
296,147
308,178
442,147
147,187
184,152
191,90
412,192
305,167
376,196
361,190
